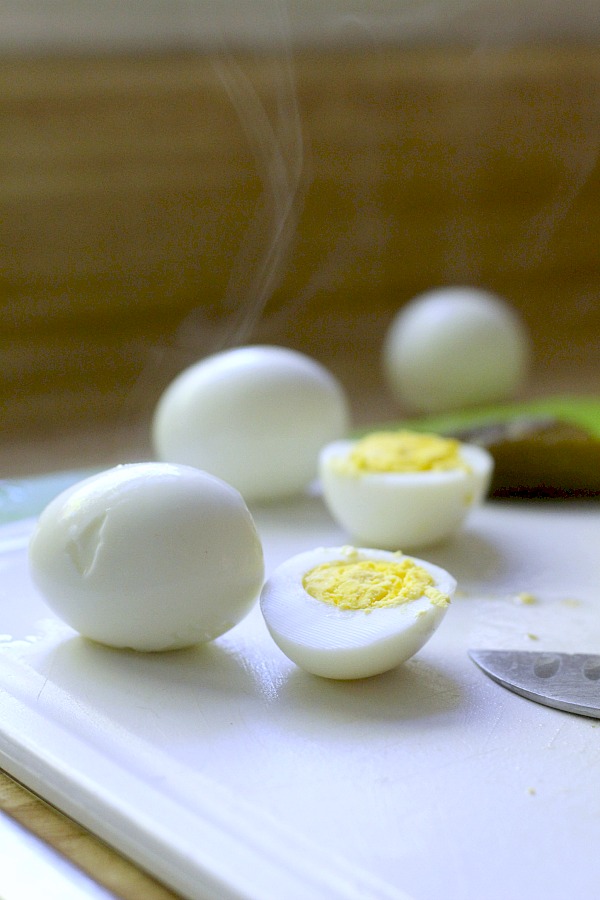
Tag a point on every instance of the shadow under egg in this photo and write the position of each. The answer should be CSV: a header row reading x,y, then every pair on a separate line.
x,y
470,556
174,696
413,690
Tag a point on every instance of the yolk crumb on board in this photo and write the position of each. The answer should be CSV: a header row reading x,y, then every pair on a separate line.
x,y
526,599
371,584
403,451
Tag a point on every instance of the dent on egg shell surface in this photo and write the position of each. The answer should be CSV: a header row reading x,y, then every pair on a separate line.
x,y
255,416
148,556
348,612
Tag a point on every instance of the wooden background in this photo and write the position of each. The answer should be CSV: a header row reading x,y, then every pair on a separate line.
x,y
156,208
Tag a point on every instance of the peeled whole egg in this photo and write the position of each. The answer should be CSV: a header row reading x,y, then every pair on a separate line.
x,y
255,416
347,612
455,347
402,490
148,556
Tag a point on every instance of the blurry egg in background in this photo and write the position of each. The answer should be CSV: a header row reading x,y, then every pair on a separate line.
x,y
348,612
455,347
401,490
255,416
148,556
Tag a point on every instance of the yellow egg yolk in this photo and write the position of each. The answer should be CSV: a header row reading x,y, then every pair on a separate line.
x,y
371,584
402,451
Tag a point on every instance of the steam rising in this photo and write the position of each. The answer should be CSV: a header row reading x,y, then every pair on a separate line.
x,y
276,143
277,148
274,136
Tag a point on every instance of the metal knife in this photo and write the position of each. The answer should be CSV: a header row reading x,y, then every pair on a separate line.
x,y
567,681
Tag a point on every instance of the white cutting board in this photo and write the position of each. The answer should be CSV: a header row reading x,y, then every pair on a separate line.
x,y
227,772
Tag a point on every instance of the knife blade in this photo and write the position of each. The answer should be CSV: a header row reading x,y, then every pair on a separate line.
x,y
567,681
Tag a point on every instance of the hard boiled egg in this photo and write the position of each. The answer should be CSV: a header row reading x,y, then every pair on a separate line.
x,y
149,556
255,416
347,612
402,490
455,347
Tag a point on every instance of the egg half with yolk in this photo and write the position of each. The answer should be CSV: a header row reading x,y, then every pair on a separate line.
x,y
348,612
402,489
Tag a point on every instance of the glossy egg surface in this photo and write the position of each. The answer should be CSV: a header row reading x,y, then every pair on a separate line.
x,y
255,416
455,347
402,490
347,612
148,556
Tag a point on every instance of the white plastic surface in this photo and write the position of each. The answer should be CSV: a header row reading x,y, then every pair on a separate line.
x,y
227,772
31,868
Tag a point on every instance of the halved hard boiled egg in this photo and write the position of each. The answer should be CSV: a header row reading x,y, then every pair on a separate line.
x,y
402,489
348,612
148,556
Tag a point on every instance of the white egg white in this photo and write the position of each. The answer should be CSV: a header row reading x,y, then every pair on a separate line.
x,y
148,556
255,416
454,347
346,644
402,510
